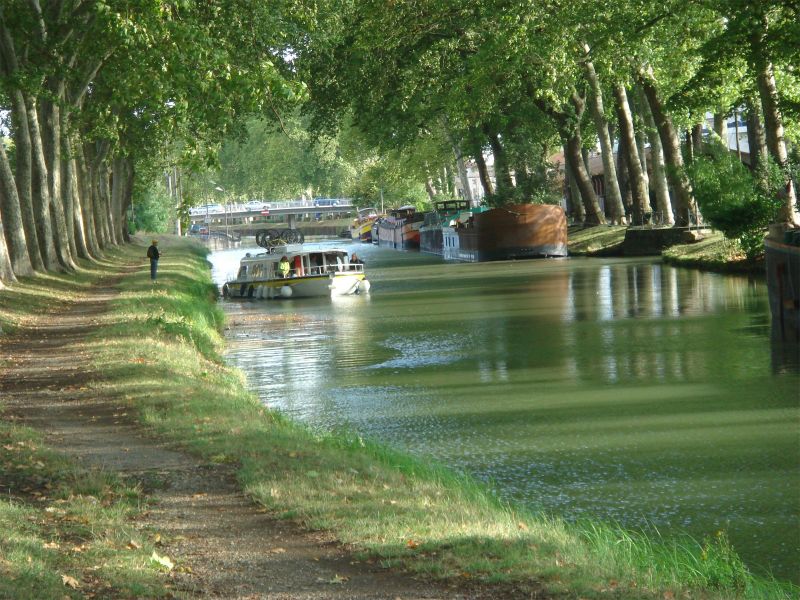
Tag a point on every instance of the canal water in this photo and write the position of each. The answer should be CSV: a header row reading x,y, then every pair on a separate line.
x,y
616,389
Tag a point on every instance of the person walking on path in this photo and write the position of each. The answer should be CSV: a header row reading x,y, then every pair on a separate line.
x,y
153,254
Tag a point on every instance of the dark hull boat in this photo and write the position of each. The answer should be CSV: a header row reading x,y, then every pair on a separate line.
x,y
512,231
400,229
782,254
430,233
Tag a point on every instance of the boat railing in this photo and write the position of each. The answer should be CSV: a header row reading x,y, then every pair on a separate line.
x,y
320,270
310,271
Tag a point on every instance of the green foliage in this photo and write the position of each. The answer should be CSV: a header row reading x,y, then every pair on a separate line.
x,y
735,201
153,210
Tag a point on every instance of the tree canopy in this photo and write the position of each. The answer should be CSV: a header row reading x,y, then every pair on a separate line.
x,y
100,98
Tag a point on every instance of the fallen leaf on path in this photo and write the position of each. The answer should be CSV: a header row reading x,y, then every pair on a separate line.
x,y
134,545
164,561
277,550
70,582
411,544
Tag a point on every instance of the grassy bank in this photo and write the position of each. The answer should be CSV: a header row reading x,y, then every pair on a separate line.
x,y
602,240
714,253
160,350
67,532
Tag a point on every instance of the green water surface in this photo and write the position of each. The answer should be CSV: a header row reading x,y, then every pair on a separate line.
x,y
615,389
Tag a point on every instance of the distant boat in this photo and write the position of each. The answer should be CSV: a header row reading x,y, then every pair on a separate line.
x,y
511,231
430,233
400,228
782,257
361,228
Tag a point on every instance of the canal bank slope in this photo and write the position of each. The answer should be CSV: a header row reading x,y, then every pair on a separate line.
x,y
711,252
129,365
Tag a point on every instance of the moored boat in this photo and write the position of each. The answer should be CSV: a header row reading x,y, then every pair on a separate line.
x,y
294,271
400,228
782,257
511,231
430,232
361,228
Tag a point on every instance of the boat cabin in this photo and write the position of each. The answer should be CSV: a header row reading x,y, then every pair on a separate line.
x,y
302,263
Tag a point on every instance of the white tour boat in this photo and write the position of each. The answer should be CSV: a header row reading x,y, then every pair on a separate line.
x,y
320,272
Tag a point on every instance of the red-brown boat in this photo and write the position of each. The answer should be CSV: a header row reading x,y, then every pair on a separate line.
x,y
511,231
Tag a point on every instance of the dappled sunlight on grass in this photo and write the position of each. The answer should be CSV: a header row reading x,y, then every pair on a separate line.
x,y
586,240
715,251
80,530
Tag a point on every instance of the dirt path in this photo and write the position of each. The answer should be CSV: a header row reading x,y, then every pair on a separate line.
x,y
225,545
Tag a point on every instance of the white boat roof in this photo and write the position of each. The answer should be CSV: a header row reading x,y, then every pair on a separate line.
x,y
293,249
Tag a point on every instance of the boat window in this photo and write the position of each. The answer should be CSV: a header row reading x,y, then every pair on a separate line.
x,y
242,271
315,263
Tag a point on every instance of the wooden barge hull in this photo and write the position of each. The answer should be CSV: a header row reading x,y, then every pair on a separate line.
x,y
514,231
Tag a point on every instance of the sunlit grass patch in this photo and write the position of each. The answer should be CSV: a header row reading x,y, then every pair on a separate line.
x,y
585,241
714,252
66,532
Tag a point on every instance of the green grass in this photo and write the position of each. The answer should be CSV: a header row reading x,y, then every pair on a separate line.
x,y
68,532
159,349
594,241
714,253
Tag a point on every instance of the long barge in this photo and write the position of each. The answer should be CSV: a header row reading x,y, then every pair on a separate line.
x,y
511,231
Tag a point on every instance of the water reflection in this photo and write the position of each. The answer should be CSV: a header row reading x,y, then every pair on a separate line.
x,y
626,390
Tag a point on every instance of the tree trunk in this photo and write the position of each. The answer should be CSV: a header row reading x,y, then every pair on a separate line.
x,y
11,215
502,175
613,194
41,190
127,197
24,175
641,141
70,193
641,202
52,146
86,203
676,174
719,127
624,180
99,180
461,168
756,137
659,178
594,215
776,142
119,185
578,212
6,270
73,189
697,139
483,172
429,188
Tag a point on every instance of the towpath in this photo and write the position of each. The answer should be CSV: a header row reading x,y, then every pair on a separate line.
x,y
226,545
